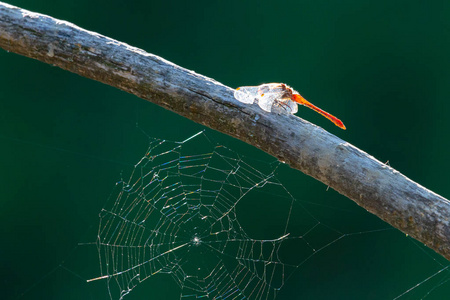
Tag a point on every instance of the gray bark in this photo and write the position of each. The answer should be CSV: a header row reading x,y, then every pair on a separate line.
x,y
373,185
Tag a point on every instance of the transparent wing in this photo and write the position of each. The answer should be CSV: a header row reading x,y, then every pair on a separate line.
x,y
265,101
270,94
291,107
266,95
246,94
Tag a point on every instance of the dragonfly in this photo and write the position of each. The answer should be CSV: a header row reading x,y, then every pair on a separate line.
x,y
279,94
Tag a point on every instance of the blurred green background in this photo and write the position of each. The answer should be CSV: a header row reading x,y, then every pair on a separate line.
x,y
382,67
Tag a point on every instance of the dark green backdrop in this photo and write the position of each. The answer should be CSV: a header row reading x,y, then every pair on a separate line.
x,y
382,67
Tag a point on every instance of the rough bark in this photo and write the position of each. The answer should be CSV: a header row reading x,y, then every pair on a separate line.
x,y
378,188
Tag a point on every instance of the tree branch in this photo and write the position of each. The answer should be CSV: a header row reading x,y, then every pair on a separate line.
x,y
378,188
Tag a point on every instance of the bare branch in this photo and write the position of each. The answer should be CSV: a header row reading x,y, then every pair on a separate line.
x,y
378,188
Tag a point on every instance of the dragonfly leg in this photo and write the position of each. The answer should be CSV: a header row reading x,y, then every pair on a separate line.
x,y
283,104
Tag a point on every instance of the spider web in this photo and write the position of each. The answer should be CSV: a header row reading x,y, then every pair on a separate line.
x,y
190,214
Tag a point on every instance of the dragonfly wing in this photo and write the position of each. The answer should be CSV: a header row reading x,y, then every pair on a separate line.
x,y
265,101
266,95
292,107
246,94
